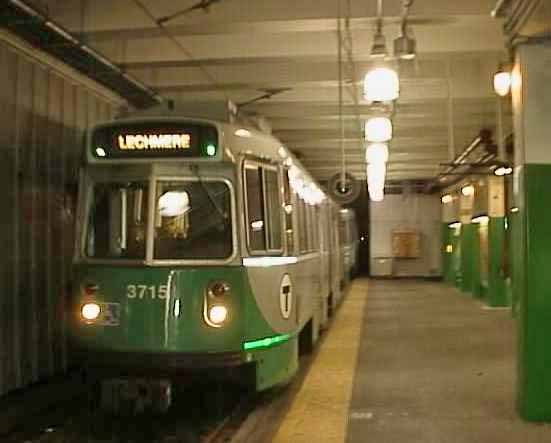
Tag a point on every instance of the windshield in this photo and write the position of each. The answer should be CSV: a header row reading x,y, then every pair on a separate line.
x,y
117,221
193,220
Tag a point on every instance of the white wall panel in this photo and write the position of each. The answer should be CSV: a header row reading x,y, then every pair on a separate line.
x,y
417,212
43,115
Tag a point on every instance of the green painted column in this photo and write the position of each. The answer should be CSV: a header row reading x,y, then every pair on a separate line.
x,y
468,257
447,251
496,295
476,283
532,273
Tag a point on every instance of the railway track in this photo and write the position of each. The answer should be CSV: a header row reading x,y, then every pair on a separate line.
x,y
205,414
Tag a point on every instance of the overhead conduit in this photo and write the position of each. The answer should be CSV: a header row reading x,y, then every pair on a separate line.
x,y
41,32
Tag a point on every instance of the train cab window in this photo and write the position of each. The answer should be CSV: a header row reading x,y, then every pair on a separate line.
x,y
117,221
192,220
264,208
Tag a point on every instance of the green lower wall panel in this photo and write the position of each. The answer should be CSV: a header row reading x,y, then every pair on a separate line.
x,y
476,283
532,288
451,255
496,294
468,256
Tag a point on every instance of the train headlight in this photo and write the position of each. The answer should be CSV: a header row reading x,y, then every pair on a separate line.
x,y
217,315
90,311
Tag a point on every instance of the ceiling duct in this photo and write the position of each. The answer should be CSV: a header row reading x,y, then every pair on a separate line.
x,y
478,157
37,29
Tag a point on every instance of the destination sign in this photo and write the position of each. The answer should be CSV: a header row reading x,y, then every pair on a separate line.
x,y
154,140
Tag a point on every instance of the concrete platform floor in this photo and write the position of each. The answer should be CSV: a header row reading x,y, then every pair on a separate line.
x,y
435,366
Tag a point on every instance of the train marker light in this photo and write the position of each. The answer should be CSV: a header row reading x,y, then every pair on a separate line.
x,y
90,311
219,289
174,203
217,315
211,150
100,152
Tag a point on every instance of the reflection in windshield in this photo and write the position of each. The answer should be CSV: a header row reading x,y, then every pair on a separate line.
x,y
193,220
117,221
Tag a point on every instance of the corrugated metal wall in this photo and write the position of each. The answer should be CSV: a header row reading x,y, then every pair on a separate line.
x,y
42,120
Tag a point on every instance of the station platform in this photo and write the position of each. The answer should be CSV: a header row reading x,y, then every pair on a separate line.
x,y
411,361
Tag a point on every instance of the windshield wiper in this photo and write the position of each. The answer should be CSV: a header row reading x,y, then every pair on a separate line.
x,y
221,213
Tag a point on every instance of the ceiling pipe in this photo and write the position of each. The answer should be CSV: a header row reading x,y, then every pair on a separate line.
x,y
499,8
483,139
125,85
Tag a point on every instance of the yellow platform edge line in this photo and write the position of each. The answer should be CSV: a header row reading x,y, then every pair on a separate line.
x,y
320,409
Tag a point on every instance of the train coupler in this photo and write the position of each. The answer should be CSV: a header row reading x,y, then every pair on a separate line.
x,y
135,396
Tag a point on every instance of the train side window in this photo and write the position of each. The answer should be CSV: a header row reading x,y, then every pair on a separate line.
x,y
303,229
273,209
288,207
256,223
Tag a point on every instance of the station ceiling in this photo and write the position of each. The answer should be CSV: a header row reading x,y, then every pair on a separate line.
x,y
239,49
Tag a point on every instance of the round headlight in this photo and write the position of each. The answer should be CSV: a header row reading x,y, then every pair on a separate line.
x,y
218,314
90,311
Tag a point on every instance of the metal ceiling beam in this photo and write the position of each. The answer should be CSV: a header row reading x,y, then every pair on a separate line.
x,y
43,33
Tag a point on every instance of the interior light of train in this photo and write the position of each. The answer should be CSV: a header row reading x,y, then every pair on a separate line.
x,y
241,132
211,150
265,262
468,190
503,170
100,152
447,198
381,84
502,83
257,225
174,203
376,153
378,129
